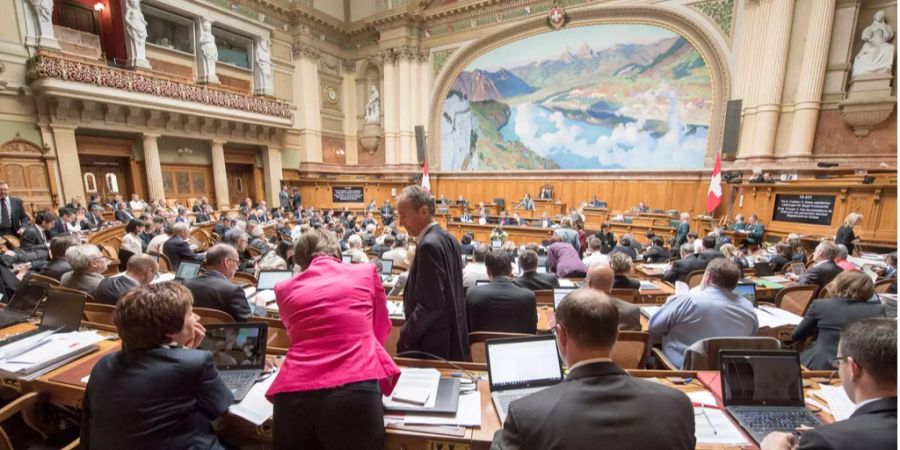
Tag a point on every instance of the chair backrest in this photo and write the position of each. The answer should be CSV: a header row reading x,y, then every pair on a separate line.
x,y
704,354
243,278
164,264
796,299
694,278
883,286
823,292
43,279
629,295
99,314
631,349
476,343
278,340
88,297
254,252
543,297
209,315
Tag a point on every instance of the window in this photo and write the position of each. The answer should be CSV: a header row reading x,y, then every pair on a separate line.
x,y
90,182
233,49
168,30
112,182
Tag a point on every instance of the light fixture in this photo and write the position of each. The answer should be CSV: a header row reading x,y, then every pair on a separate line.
x,y
99,7
184,151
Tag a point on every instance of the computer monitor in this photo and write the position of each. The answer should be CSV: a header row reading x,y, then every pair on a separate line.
x,y
187,270
748,291
236,345
387,266
541,269
63,309
559,294
523,362
496,244
761,377
267,279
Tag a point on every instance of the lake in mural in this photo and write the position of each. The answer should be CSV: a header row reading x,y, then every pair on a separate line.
x,y
597,97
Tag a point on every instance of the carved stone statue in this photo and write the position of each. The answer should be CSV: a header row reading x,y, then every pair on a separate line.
x,y
43,16
135,35
373,106
262,71
877,53
208,54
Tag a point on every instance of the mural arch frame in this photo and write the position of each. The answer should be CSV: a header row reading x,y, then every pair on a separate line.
x,y
714,56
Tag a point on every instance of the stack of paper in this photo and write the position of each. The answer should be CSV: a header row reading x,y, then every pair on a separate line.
x,y
468,414
649,311
395,308
656,266
566,283
712,426
255,408
414,385
840,405
55,351
776,317
648,286
163,277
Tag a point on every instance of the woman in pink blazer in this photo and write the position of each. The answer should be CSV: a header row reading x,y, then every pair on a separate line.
x,y
327,394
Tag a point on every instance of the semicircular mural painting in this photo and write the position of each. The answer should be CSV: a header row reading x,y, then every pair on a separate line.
x,y
631,96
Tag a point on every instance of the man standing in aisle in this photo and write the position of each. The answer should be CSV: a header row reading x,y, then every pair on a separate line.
x,y
433,300
12,213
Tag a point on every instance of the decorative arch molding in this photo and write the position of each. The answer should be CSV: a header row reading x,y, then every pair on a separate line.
x,y
713,55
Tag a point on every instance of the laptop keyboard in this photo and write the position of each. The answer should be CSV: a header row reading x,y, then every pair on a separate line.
x,y
768,420
237,379
505,399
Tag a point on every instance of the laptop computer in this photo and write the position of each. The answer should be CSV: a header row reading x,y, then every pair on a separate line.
x,y
559,294
763,269
24,303
62,313
239,352
763,391
798,268
748,291
482,282
387,266
266,281
187,270
496,244
541,269
347,259
518,367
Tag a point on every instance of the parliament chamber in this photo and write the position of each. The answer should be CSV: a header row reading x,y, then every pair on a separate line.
x,y
448,224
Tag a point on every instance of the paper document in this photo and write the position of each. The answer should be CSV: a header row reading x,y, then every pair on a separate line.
x,y
656,266
468,414
705,397
681,288
840,405
415,383
712,426
395,308
59,347
14,349
566,283
776,317
255,408
163,277
648,286
649,311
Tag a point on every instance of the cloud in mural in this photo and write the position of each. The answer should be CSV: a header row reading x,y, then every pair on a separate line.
x,y
633,104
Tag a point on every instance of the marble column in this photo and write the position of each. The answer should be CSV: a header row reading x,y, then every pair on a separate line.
x,y
271,158
155,186
777,34
306,91
389,106
70,167
747,76
811,80
405,99
220,175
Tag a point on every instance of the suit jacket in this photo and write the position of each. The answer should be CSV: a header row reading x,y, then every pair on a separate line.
x,y
623,282
220,229
682,267
824,320
681,233
873,425
501,306
607,240
778,263
537,281
83,281
212,290
755,232
91,222
123,216
655,255
177,250
111,289
33,238
56,268
636,414
17,217
626,250
821,274
711,254
284,199
201,217
59,228
433,300
298,199
629,315
174,411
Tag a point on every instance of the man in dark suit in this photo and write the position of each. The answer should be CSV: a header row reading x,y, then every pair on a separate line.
x,y
141,270
93,220
684,266
122,213
625,247
601,278
60,227
204,215
223,225
198,206
213,290
825,269
867,365
284,200
530,278
298,199
598,404
58,264
12,213
709,252
177,248
34,238
501,305
682,230
433,299
387,213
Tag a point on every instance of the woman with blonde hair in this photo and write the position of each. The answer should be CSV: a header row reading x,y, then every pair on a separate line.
x,y
734,254
845,233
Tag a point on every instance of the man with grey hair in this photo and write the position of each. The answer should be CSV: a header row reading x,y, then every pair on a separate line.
x,y
397,253
368,237
824,270
141,270
355,252
688,263
177,248
94,219
433,299
88,265
214,290
258,240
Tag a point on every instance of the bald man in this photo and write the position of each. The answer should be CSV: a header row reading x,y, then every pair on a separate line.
x,y
601,278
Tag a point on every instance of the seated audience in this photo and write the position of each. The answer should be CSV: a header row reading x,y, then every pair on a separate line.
x,y
356,252
58,264
656,253
63,222
739,224
501,306
122,213
849,301
88,265
258,240
688,263
177,248
34,238
159,332
142,270
530,278
214,290
383,245
867,365
368,236
563,259
600,278
132,240
327,393
824,269
625,248
593,255
784,254
709,252
93,220
734,255
607,239
842,260
799,253
223,225
621,267
165,233
136,203
696,242
755,231
707,311
274,259
599,402
398,251
475,270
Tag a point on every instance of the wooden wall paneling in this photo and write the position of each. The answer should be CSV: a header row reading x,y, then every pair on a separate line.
x,y
185,182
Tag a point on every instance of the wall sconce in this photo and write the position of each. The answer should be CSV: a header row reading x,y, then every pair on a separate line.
x,y
99,7
184,151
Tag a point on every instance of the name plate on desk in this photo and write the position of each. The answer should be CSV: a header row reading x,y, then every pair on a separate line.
x,y
808,209
347,194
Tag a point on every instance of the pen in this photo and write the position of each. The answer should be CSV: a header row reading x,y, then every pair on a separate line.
x,y
703,410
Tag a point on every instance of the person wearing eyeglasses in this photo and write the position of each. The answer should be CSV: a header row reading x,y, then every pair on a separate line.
x,y
214,290
867,365
88,265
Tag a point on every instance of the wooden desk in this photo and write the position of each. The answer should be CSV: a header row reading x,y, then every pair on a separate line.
x,y
552,207
519,235
595,217
640,231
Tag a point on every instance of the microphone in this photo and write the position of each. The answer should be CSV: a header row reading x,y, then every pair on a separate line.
x,y
470,376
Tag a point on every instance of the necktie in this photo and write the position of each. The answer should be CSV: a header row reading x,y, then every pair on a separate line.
x,y
4,214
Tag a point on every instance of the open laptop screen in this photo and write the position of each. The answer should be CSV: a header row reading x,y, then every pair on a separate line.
x,y
269,278
798,268
187,270
559,294
28,296
236,346
761,378
523,362
748,291
496,244
387,265
63,309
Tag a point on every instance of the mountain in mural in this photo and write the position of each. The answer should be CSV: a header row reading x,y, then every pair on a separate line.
x,y
508,84
481,85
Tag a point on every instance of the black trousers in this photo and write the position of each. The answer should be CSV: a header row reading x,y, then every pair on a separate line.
x,y
346,417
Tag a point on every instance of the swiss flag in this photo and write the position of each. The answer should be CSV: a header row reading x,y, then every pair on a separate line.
x,y
714,194
426,182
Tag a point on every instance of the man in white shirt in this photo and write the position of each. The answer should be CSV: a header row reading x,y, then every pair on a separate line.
x,y
155,245
398,253
356,252
593,256
476,270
